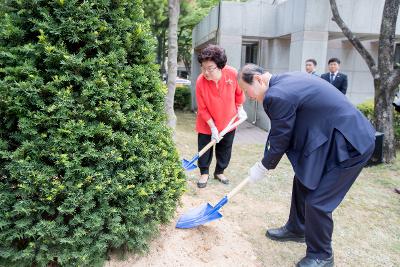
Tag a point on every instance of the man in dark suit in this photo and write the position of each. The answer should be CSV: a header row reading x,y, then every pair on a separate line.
x,y
338,79
328,142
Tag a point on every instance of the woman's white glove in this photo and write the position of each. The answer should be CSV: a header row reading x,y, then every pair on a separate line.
x,y
214,134
257,172
242,115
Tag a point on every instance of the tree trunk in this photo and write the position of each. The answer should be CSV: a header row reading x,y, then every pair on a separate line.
x,y
188,67
173,10
389,79
163,52
383,113
159,48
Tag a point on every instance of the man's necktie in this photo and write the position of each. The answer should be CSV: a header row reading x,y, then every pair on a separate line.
x,y
332,77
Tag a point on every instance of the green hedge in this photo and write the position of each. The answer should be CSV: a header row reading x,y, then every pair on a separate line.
x,y
367,108
182,100
86,160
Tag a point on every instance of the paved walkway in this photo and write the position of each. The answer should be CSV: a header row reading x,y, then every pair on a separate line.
x,y
247,133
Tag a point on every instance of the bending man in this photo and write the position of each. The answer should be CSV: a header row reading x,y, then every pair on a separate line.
x,y
328,142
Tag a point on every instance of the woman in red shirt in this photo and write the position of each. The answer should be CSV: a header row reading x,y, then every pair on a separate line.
x,y
219,99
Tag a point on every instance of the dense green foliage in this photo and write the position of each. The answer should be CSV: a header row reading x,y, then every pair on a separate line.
x,y
182,99
367,108
86,161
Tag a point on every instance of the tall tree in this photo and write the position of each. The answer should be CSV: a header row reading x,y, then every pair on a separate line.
x,y
173,14
156,11
386,77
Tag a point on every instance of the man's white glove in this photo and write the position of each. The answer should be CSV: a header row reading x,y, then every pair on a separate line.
x,y
257,172
242,115
214,133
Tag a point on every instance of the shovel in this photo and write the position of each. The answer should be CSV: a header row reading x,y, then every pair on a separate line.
x,y
206,212
189,165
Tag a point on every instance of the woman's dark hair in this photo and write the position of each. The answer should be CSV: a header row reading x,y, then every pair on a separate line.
x,y
247,72
214,53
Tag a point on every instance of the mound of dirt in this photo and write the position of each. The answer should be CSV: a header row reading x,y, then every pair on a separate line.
x,y
219,243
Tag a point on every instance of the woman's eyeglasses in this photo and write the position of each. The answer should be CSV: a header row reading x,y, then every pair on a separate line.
x,y
209,69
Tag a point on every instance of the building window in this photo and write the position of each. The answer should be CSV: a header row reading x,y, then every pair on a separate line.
x,y
250,53
397,56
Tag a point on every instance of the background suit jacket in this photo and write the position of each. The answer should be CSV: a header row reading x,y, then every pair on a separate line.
x,y
306,115
340,81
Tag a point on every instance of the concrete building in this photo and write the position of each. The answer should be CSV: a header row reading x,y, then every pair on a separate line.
x,y
282,36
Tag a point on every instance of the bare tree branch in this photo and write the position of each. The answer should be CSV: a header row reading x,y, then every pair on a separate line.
x,y
354,40
387,43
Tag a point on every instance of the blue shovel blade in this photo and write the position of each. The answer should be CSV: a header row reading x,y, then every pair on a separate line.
x,y
188,165
198,216
201,215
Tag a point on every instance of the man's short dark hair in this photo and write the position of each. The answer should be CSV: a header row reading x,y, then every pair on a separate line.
x,y
213,53
313,61
334,59
247,72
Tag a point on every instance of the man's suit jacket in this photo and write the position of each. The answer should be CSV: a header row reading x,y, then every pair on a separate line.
x,y
307,114
340,81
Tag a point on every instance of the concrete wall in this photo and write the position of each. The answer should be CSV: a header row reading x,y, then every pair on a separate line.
x,y
305,45
259,18
274,57
277,55
361,16
206,29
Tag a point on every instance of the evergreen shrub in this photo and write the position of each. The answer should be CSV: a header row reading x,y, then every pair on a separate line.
x,y
182,98
86,160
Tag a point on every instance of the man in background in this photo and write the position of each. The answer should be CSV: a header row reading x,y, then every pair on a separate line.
x,y
311,64
336,78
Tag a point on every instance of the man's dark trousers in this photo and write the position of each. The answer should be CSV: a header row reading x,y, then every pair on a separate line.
x,y
311,210
223,151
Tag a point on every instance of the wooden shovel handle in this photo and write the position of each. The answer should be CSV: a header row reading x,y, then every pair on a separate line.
x,y
223,132
232,127
227,129
207,147
237,188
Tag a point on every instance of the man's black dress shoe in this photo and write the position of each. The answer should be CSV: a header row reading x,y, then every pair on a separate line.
x,y
310,262
283,234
